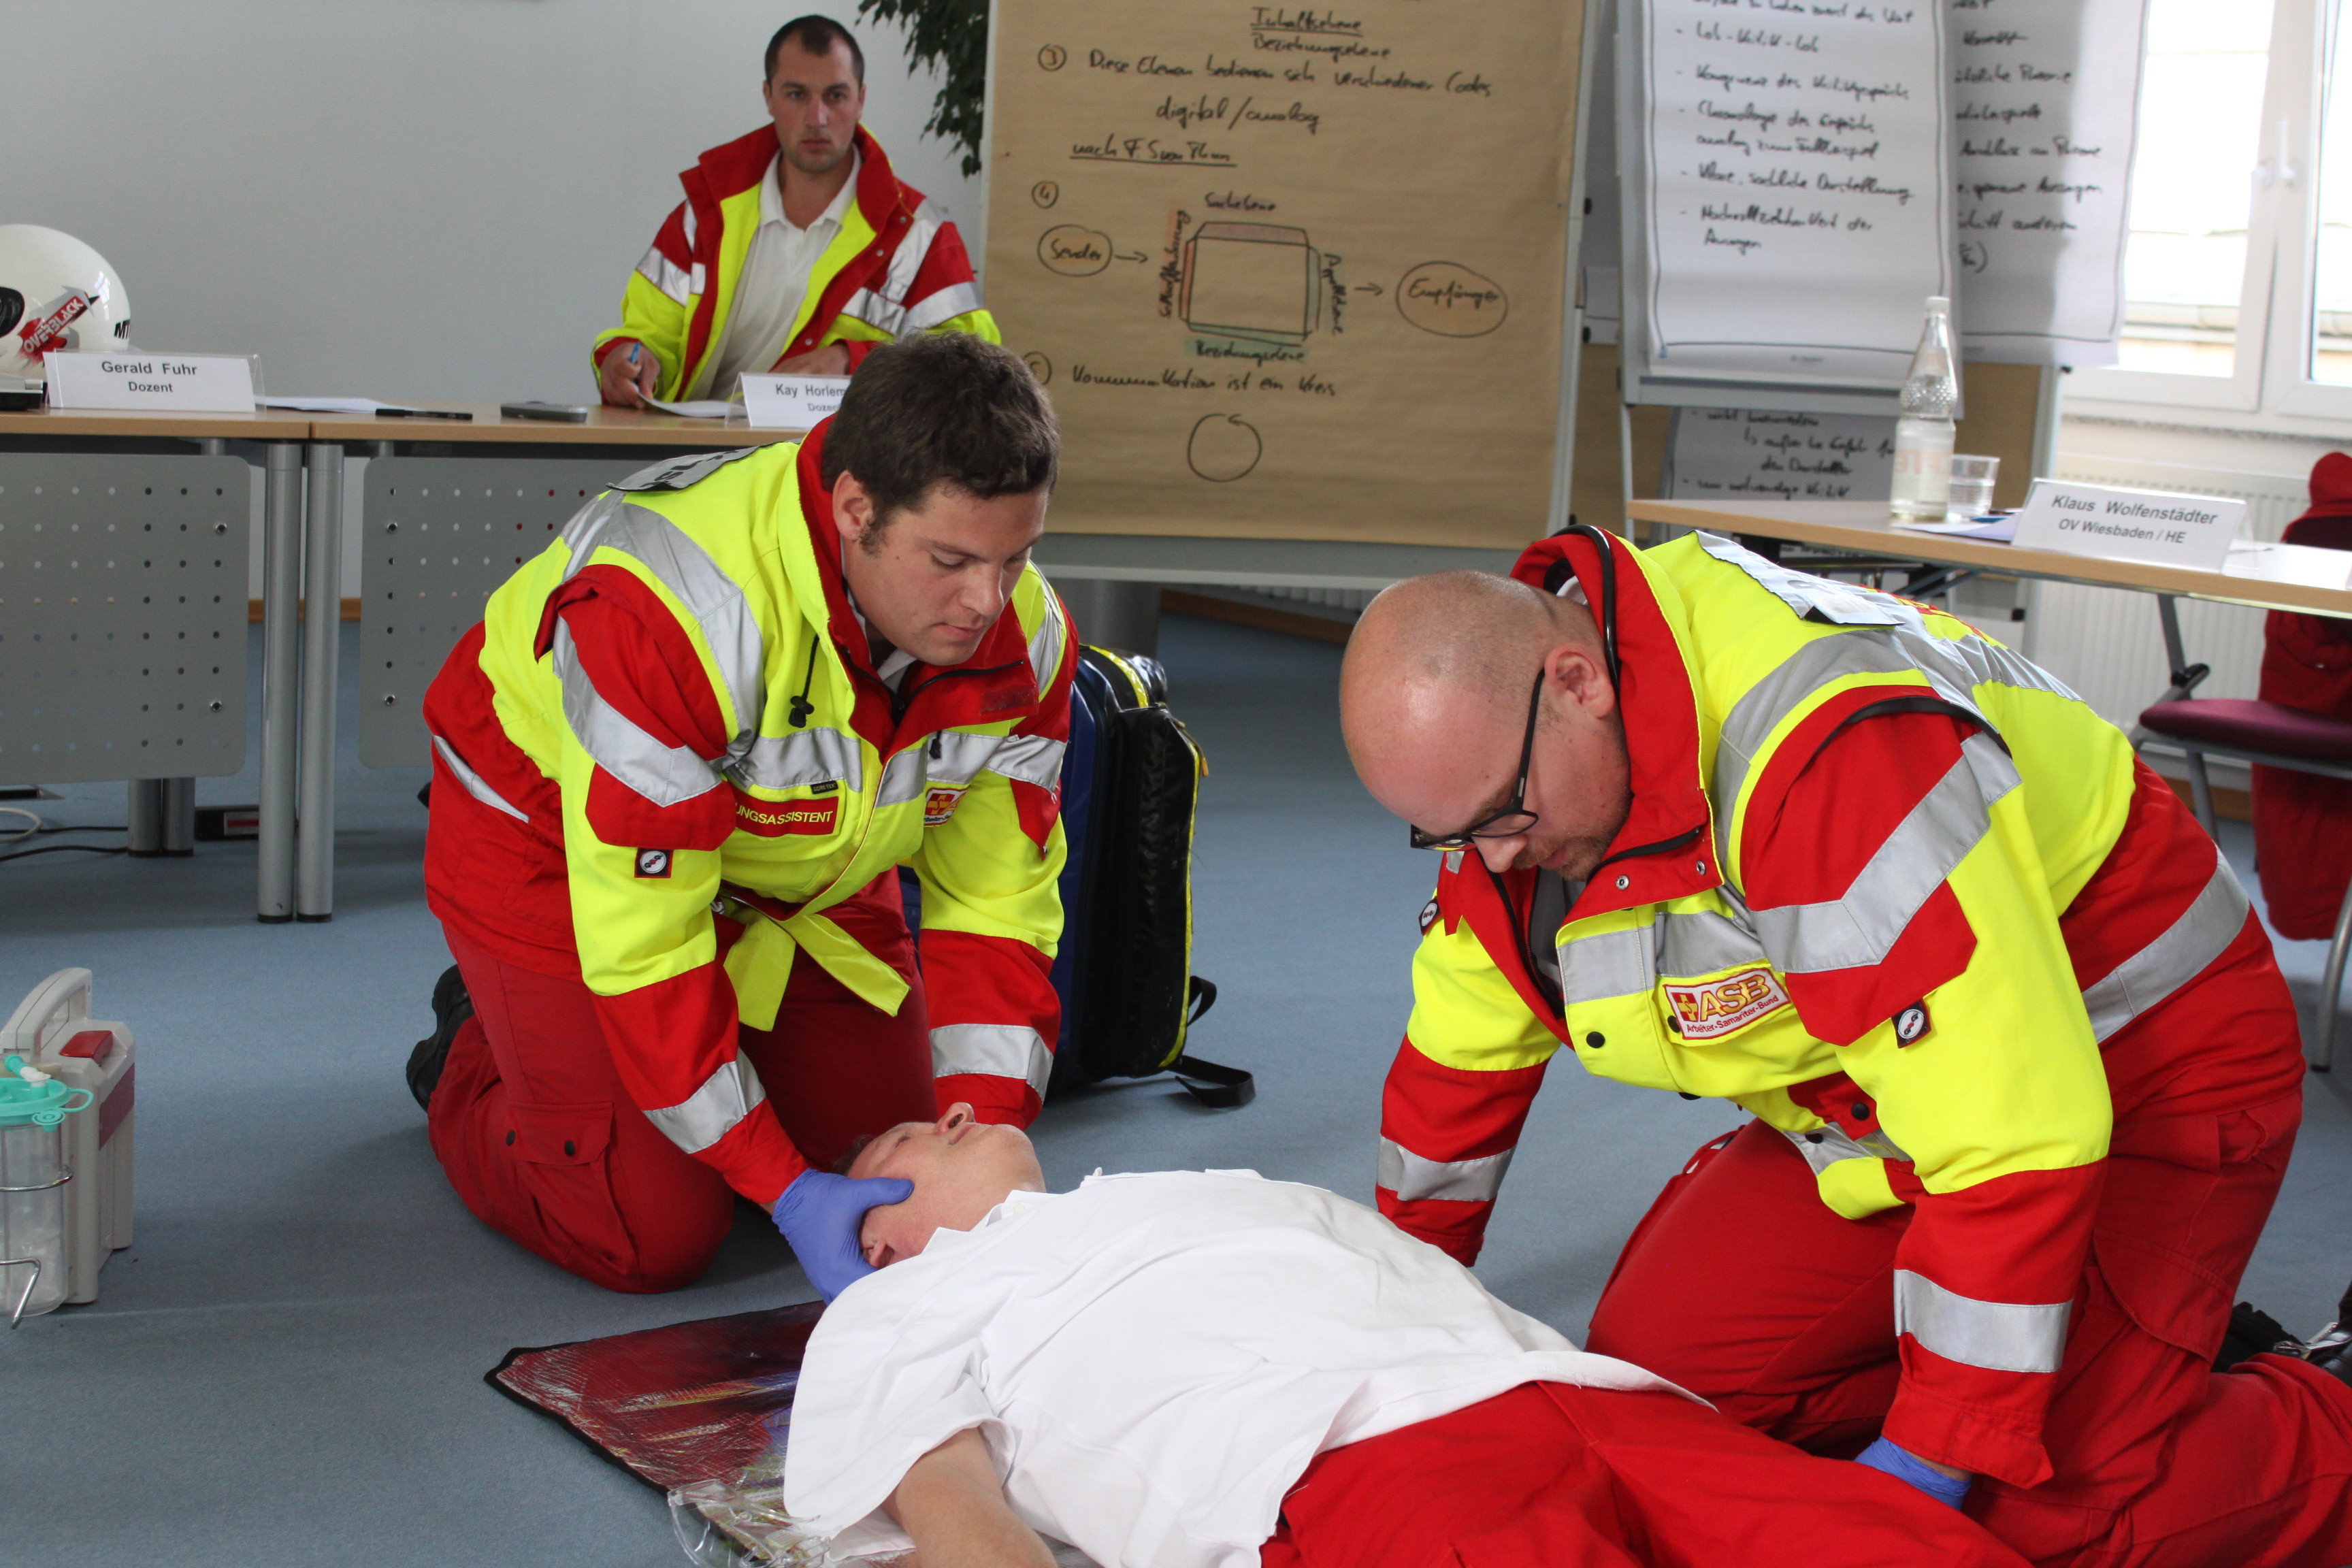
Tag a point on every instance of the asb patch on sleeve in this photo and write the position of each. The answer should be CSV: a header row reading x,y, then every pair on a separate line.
x,y
1708,1008
940,802
1428,916
653,863
1912,1024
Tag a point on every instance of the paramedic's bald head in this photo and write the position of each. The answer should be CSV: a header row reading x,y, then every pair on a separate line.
x,y
1434,699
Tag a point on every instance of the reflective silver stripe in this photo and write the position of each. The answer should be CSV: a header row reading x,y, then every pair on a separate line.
x,y
666,275
996,1050
694,280
1613,963
2210,924
663,775
903,778
714,599
960,755
792,762
475,785
2000,1336
876,312
1858,929
1833,1145
687,209
704,1117
1815,599
1680,945
914,248
942,305
1410,1176
1701,941
1031,759
1045,643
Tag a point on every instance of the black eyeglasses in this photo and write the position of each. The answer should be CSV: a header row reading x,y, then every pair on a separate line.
x,y
1516,818
1513,819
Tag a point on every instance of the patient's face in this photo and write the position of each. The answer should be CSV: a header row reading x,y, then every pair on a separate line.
x,y
961,1168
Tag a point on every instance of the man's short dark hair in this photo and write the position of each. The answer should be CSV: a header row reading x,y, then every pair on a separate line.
x,y
817,34
945,408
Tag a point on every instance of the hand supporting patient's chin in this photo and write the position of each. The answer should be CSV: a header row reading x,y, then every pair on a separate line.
x,y
960,1167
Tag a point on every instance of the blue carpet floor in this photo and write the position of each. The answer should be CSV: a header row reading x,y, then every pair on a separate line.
x,y
286,1369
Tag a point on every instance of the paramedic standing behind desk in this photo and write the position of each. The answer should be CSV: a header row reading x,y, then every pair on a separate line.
x,y
795,251
675,770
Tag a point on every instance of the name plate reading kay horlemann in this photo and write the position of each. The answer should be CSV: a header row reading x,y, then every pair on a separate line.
x,y
792,402
2155,526
177,383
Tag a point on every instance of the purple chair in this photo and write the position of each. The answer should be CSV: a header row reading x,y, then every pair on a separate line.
x,y
2270,733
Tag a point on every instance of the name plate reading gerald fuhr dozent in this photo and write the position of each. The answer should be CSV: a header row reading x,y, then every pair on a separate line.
x,y
2155,526
792,402
177,383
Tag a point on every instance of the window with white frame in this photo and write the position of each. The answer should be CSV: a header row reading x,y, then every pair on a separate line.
x,y
2238,267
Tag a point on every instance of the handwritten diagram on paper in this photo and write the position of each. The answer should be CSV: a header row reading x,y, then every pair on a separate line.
x,y
1792,158
1749,454
1288,271
2044,103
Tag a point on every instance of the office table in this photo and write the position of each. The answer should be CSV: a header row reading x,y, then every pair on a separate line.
x,y
116,663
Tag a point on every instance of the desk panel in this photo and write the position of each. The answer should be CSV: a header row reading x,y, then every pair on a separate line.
x,y
122,617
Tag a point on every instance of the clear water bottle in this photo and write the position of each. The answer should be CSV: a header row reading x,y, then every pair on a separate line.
x,y
1923,435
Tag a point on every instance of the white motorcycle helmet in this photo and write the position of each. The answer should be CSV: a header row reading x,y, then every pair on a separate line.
x,y
57,294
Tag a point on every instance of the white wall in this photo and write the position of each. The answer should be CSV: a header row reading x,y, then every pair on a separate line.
x,y
405,199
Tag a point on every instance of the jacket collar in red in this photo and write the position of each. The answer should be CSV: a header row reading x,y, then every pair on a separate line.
x,y
1666,849
992,686
733,167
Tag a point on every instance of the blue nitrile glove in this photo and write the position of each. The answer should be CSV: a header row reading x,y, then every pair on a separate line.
x,y
1905,1465
819,1215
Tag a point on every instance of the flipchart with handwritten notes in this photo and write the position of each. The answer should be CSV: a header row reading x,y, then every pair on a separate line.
x,y
2045,100
1289,271
1791,168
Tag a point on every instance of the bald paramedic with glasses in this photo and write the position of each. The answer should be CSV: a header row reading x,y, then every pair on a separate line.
x,y
2023,1076
795,251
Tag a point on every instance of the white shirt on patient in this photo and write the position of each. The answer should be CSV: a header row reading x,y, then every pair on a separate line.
x,y
1152,1360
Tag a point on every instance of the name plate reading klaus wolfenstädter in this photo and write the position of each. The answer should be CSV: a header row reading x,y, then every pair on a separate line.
x,y
2155,526
173,383
792,402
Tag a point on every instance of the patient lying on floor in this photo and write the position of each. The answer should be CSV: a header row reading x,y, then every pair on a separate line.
x,y
1187,1369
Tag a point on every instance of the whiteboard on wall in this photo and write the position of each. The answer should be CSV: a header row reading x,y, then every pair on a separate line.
x,y
1289,272
1786,178
2045,104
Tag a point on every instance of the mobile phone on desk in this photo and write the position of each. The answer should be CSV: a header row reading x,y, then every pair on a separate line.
x,y
556,413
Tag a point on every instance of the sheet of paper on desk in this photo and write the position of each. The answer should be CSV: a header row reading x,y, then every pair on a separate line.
x,y
325,405
2287,563
1996,530
700,408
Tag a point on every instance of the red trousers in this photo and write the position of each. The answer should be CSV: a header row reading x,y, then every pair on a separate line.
x,y
1742,1287
1551,1476
538,1136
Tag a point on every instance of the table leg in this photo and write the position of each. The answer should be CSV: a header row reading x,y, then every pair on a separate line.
x,y
281,589
322,596
179,803
145,818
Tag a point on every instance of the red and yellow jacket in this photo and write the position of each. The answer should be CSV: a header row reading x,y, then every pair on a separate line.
x,y
897,268
1888,887
665,755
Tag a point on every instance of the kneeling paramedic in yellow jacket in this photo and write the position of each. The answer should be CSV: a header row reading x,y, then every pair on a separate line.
x,y
677,769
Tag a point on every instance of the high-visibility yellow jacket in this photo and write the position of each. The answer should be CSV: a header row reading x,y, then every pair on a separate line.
x,y
665,754
1885,885
898,268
